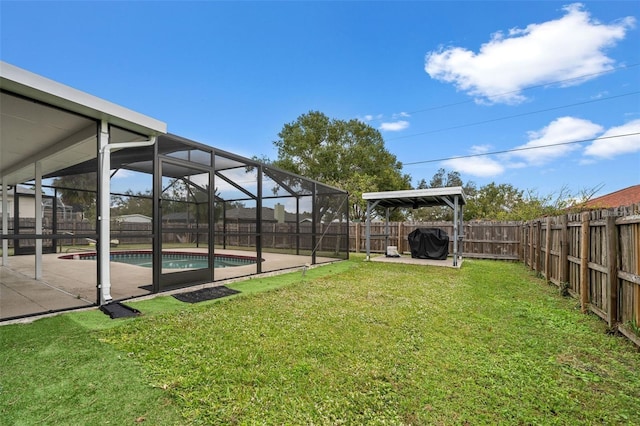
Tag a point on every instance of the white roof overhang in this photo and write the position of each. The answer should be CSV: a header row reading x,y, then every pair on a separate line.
x,y
45,121
417,197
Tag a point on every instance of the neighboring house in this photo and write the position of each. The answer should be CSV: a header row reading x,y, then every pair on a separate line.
x,y
132,218
179,217
623,197
277,215
27,206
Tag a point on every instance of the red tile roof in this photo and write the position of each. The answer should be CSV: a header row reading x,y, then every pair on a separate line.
x,y
623,197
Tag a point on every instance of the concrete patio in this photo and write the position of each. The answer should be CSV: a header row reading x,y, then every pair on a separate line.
x,y
69,284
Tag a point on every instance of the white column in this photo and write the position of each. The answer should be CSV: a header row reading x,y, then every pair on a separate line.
x,y
38,210
5,224
455,230
104,214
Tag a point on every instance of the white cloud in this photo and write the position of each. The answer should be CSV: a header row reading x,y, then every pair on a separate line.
x,y
400,115
475,166
563,129
368,117
543,148
609,148
394,126
569,47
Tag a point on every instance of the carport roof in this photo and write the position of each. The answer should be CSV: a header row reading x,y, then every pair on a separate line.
x,y
45,121
417,197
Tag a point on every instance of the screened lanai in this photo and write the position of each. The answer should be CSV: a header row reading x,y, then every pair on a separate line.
x,y
99,204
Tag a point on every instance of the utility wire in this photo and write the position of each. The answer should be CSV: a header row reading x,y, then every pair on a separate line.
x,y
518,149
552,83
493,120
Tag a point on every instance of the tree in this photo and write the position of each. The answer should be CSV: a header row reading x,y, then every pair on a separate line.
x,y
494,202
132,203
505,202
347,154
79,191
441,179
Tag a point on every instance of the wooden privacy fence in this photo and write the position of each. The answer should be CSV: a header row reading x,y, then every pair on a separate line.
x,y
486,240
595,256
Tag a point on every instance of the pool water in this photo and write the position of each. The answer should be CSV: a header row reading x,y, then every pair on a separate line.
x,y
170,260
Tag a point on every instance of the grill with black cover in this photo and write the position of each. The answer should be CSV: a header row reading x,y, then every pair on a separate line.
x,y
429,243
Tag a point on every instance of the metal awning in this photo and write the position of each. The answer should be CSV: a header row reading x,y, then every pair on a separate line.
x,y
415,198
46,122
452,197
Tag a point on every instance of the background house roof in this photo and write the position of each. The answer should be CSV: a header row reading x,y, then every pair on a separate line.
x,y
620,198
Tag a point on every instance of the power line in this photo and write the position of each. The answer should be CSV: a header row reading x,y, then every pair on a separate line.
x,y
552,83
493,120
518,149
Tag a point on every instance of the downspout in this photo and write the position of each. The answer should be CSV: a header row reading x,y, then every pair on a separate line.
x,y
104,214
5,224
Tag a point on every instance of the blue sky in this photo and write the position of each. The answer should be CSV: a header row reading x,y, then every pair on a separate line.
x,y
438,79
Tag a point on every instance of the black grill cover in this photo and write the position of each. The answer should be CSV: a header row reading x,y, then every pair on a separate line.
x,y
429,243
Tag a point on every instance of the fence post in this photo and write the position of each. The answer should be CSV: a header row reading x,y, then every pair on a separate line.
x,y
584,263
547,251
636,239
521,247
612,267
357,236
400,234
532,255
539,246
563,265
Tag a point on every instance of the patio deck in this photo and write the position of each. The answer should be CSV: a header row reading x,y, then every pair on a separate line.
x,y
70,284
407,259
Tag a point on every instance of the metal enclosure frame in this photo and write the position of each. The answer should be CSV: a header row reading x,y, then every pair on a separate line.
x,y
102,138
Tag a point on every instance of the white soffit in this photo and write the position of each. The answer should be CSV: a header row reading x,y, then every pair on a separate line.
x,y
42,120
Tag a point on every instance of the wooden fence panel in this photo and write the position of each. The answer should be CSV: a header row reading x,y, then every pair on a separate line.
x,y
597,254
629,276
487,240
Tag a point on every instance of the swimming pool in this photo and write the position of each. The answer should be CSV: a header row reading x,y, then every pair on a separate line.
x,y
170,259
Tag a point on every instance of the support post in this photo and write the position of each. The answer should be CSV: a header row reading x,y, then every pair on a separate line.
x,y
612,271
368,226
259,223
386,230
584,263
104,215
38,213
455,230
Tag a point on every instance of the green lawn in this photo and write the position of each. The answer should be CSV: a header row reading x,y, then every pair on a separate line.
x,y
349,343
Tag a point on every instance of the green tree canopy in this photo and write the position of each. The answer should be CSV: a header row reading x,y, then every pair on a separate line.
x,y
441,179
347,154
497,201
